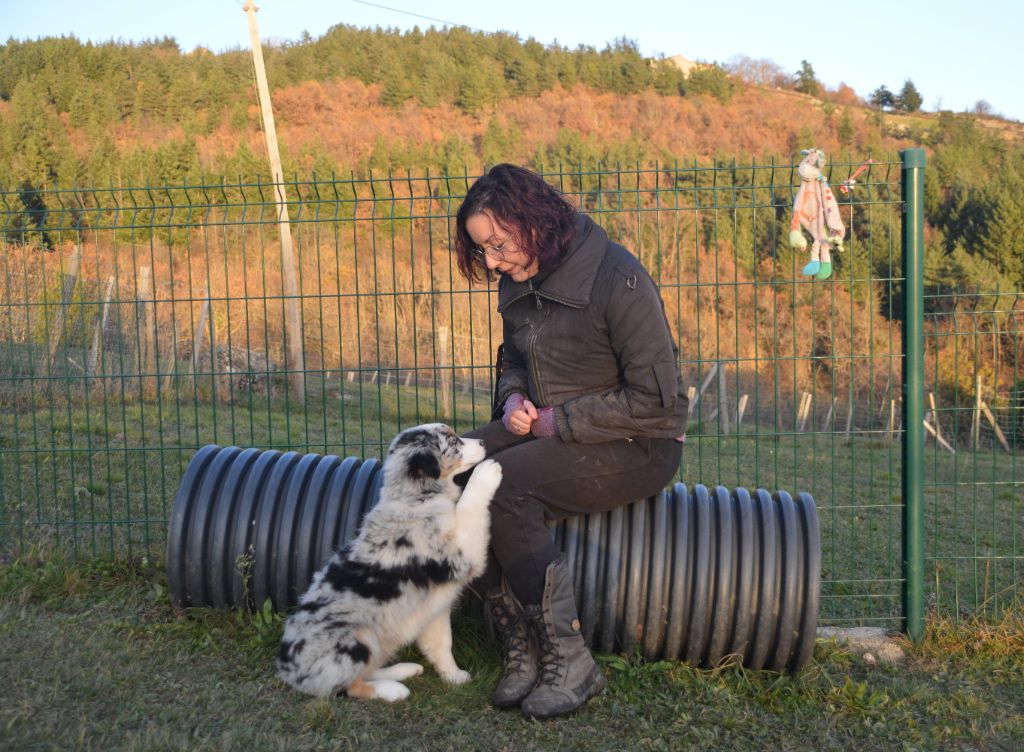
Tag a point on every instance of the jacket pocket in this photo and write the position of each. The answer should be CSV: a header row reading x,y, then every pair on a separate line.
x,y
666,376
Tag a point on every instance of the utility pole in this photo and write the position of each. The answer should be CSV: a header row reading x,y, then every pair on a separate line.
x,y
293,317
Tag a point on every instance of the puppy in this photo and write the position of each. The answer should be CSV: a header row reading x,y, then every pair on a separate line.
x,y
423,542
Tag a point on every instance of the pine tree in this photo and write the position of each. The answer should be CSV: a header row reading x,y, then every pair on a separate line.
x,y
999,240
845,130
710,79
806,83
882,98
909,99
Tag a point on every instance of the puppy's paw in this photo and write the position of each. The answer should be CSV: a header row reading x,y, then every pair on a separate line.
x,y
458,676
486,478
397,672
390,691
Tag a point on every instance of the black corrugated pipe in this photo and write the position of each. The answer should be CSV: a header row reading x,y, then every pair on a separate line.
x,y
691,573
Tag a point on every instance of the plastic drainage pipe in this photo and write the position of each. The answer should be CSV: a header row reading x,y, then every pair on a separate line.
x,y
691,573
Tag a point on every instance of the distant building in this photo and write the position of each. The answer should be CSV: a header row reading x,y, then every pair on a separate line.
x,y
683,64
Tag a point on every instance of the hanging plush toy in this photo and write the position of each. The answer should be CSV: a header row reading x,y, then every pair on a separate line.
x,y
816,211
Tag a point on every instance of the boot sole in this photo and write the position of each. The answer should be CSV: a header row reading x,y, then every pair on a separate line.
x,y
511,702
595,687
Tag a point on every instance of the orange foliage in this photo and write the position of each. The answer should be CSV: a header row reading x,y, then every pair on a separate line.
x,y
347,118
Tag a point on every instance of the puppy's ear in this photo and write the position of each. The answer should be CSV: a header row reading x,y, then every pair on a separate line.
x,y
424,465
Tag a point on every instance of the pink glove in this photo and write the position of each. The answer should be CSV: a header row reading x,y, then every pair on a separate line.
x,y
544,426
514,402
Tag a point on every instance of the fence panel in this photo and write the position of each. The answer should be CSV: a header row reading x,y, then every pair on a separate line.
x,y
138,324
974,459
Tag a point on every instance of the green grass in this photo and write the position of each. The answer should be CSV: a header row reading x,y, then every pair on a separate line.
x,y
96,658
973,502
98,478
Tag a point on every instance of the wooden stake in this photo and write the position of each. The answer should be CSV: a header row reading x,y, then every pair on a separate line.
x,y
935,415
804,411
147,358
293,316
723,406
892,420
441,348
172,359
740,410
976,418
214,366
100,331
995,427
707,380
942,442
849,420
825,424
888,387
220,379
57,328
197,340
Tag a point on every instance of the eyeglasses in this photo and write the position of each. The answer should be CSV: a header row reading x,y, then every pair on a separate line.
x,y
495,251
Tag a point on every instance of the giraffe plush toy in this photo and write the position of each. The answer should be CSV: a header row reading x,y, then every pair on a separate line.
x,y
816,211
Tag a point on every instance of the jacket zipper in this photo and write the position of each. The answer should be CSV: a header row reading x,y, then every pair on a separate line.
x,y
531,347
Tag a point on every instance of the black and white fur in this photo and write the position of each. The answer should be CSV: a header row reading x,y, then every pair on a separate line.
x,y
423,542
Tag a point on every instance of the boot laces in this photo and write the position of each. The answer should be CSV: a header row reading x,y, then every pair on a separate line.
x,y
515,635
517,644
551,661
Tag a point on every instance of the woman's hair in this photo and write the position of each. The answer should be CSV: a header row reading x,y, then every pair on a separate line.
x,y
540,218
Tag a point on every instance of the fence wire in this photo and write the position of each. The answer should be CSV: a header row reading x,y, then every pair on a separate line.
x,y
140,323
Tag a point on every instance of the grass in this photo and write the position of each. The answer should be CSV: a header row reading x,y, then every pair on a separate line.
x,y
972,501
96,658
99,478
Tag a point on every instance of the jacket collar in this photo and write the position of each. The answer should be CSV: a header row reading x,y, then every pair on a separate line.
x,y
572,280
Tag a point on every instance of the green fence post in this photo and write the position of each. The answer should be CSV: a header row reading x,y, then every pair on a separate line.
x,y
912,453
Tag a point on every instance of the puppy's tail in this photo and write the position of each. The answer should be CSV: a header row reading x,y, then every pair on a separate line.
x,y
325,674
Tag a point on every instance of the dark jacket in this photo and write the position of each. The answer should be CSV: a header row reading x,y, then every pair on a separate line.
x,y
592,340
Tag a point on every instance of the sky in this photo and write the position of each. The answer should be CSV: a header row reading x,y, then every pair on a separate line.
x,y
955,52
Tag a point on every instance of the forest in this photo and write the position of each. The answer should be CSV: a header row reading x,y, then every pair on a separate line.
x,y
76,114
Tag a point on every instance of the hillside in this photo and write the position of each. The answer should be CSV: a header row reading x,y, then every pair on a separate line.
x,y
357,100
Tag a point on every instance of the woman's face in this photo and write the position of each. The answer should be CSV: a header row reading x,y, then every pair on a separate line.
x,y
496,247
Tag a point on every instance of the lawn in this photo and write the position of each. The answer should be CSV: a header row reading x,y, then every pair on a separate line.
x,y
96,658
98,479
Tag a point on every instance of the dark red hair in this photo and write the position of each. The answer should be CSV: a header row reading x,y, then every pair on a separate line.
x,y
540,218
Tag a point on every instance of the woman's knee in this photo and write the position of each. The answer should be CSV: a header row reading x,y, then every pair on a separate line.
x,y
509,509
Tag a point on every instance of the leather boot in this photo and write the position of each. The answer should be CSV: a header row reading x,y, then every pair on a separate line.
x,y
569,676
519,648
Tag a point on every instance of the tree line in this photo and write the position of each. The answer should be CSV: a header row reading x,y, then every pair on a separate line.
x,y
66,105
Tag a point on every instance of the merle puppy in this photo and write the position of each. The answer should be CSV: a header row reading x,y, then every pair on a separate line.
x,y
397,581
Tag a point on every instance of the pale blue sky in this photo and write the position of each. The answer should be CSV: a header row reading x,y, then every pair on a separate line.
x,y
955,52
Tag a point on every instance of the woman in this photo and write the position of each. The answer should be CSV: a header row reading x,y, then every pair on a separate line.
x,y
590,413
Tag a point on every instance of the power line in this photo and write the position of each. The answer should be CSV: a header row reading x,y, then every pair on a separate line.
x,y
417,15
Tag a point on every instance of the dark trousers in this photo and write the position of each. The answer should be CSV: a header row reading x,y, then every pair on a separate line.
x,y
545,480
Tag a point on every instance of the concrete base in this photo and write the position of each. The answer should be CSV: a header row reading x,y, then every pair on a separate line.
x,y
873,644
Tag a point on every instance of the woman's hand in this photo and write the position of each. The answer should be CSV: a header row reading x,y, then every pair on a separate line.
x,y
519,414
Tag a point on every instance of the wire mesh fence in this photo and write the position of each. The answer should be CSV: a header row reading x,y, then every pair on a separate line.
x,y
140,323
